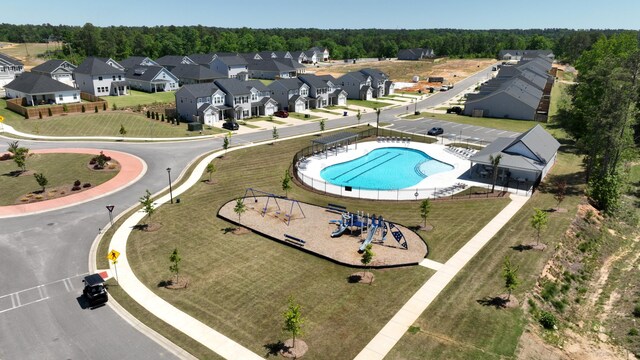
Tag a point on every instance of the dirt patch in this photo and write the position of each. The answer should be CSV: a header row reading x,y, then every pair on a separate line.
x,y
181,283
51,193
291,352
240,231
362,277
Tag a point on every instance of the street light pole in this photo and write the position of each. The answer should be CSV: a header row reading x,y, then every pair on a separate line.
x,y
170,190
415,107
377,122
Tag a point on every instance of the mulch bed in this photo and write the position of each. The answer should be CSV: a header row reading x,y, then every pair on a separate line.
x,y
289,351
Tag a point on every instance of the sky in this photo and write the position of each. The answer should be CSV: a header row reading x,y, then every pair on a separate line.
x,y
333,14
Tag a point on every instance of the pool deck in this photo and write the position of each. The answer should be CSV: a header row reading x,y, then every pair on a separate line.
x,y
313,227
309,171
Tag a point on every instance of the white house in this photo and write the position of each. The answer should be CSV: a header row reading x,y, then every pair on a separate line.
x,y
151,79
59,70
96,77
291,94
230,65
40,89
9,68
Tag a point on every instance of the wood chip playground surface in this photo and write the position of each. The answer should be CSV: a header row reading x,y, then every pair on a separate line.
x,y
310,224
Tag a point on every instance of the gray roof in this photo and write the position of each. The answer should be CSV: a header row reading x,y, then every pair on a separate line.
x,y
525,53
257,84
198,90
144,73
329,78
202,59
233,60
275,65
174,60
32,83
50,66
541,145
9,60
95,66
234,86
197,72
355,76
376,74
133,61
288,84
313,81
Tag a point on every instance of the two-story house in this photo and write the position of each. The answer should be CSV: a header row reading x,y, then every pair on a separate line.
x,y
261,102
299,56
195,74
322,53
238,97
59,70
171,61
291,94
337,96
318,90
204,103
10,67
136,61
357,85
96,77
230,65
151,78
380,82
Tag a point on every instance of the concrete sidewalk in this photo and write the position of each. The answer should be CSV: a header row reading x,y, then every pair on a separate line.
x,y
391,333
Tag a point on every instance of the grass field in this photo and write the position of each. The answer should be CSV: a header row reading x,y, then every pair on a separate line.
x,y
136,97
300,116
28,53
368,103
12,188
100,124
253,276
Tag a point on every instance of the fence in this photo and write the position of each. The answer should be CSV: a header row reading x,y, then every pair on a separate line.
x,y
90,103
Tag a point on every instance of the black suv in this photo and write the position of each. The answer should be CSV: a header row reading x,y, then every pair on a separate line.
x,y
435,131
230,125
95,290
454,110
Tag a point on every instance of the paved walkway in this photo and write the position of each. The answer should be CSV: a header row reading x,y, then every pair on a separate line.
x,y
391,333
132,168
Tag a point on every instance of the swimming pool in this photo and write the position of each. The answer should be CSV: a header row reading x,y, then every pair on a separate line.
x,y
385,168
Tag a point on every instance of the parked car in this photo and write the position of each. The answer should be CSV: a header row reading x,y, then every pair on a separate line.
x,y
95,290
454,110
281,113
434,131
230,125
444,88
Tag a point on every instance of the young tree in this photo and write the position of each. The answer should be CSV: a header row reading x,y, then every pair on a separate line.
x,y
240,207
41,180
322,125
13,147
274,134
425,209
560,191
359,117
510,275
211,168
495,162
539,222
286,183
293,320
175,263
147,204
225,143
122,131
367,257
20,158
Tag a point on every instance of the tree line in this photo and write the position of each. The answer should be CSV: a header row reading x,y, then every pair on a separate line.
x,y
120,42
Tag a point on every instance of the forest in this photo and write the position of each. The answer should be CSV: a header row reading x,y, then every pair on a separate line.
x,y
120,42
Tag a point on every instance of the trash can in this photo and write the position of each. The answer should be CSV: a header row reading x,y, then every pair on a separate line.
x,y
344,113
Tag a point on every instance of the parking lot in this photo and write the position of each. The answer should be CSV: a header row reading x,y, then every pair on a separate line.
x,y
453,131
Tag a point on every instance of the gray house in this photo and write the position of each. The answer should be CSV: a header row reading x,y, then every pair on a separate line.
x,y
171,61
229,65
94,76
195,74
357,85
245,98
525,159
136,61
37,89
151,79
518,55
59,70
291,94
318,90
204,103
274,68
10,67
337,96
415,54
380,83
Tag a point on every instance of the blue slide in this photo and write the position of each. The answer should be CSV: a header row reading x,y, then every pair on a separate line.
x,y
372,231
341,229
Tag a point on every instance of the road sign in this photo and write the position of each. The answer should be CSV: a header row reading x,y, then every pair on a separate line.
x,y
110,207
113,255
1,118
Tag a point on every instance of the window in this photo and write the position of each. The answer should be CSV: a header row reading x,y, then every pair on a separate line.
x,y
60,97
254,97
119,77
100,78
114,78
75,96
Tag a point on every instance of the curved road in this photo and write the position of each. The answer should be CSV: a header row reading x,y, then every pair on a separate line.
x,y
43,256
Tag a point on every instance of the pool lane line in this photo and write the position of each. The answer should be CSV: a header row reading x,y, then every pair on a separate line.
x,y
350,170
366,171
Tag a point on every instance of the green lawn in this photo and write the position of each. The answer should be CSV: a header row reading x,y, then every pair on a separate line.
x,y
100,124
266,82
456,326
239,283
368,103
300,116
560,94
13,188
136,97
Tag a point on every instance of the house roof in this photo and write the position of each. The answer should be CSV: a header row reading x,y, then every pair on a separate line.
x,y
233,60
525,53
375,74
197,72
133,61
50,66
198,90
355,76
328,78
313,81
174,60
234,86
287,84
257,84
145,73
537,144
269,64
202,59
95,66
9,60
32,83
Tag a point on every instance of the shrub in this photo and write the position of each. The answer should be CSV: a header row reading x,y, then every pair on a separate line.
x,y
65,108
92,161
633,332
112,166
24,199
50,112
86,185
548,320
549,291
38,197
114,107
40,114
138,108
77,183
157,116
104,106
96,108
636,311
162,118
83,108
148,114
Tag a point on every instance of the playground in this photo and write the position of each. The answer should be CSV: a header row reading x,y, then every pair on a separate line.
x,y
330,232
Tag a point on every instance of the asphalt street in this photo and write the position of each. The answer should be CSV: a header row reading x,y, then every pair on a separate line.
x,y
43,256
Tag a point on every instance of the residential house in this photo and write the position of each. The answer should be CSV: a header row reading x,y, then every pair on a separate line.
x,y
274,69
357,85
244,97
322,53
136,61
37,89
311,57
318,90
10,67
204,103
96,77
229,65
380,82
113,63
152,78
261,102
517,55
299,56
291,94
337,96
171,61
524,159
59,70
195,74
415,54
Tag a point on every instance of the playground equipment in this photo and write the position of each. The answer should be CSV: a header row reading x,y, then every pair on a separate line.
x,y
275,198
370,226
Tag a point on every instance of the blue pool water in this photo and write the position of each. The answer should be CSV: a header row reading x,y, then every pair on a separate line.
x,y
384,169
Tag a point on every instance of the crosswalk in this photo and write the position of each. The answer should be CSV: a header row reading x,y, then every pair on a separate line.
x,y
40,293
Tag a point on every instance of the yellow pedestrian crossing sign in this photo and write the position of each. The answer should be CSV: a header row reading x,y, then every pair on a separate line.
x,y
113,255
